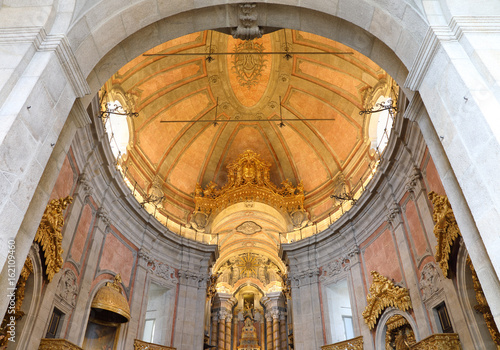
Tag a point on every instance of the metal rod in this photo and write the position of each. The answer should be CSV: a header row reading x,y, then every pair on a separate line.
x,y
245,120
249,53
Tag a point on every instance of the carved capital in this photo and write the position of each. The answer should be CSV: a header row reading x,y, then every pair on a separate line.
x,y
103,215
413,181
393,213
85,185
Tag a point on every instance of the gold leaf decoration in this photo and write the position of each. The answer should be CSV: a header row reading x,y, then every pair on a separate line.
x,y
57,344
142,345
350,344
483,307
445,229
26,271
383,293
49,235
447,341
249,180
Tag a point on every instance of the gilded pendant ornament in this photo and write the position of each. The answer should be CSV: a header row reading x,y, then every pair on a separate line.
x,y
49,235
445,229
383,294
26,271
249,181
483,307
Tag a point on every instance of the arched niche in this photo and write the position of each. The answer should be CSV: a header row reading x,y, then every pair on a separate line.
x,y
381,330
475,320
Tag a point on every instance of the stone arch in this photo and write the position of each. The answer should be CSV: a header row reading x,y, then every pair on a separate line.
x,y
381,328
104,45
390,37
467,297
34,290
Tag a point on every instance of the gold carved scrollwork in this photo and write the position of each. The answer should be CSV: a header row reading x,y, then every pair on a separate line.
x,y
483,307
383,293
49,235
351,344
249,180
445,229
399,334
17,313
448,341
211,285
142,345
57,344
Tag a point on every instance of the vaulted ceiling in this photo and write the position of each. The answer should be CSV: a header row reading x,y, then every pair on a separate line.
x,y
246,90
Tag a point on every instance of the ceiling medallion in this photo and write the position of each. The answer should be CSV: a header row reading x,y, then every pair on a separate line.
x,y
249,180
248,67
248,228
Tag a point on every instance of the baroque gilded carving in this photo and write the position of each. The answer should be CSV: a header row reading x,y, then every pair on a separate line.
x,y
67,288
142,345
351,344
248,265
447,341
399,334
445,229
49,235
57,344
383,293
249,180
16,294
483,307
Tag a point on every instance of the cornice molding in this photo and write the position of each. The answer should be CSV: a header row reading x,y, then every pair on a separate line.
x,y
60,45
458,26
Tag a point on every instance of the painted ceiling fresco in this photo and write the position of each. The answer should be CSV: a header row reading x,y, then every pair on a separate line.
x,y
247,94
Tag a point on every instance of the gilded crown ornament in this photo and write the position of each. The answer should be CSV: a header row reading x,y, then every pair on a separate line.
x,y
383,294
49,235
249,180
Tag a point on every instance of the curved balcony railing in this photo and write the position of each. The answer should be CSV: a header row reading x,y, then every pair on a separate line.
x,y
350,344
142,345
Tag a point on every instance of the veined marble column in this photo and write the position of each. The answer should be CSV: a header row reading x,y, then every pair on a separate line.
x,y
213,340
222,331
276,330
235,331
269,334
283,331
228,331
